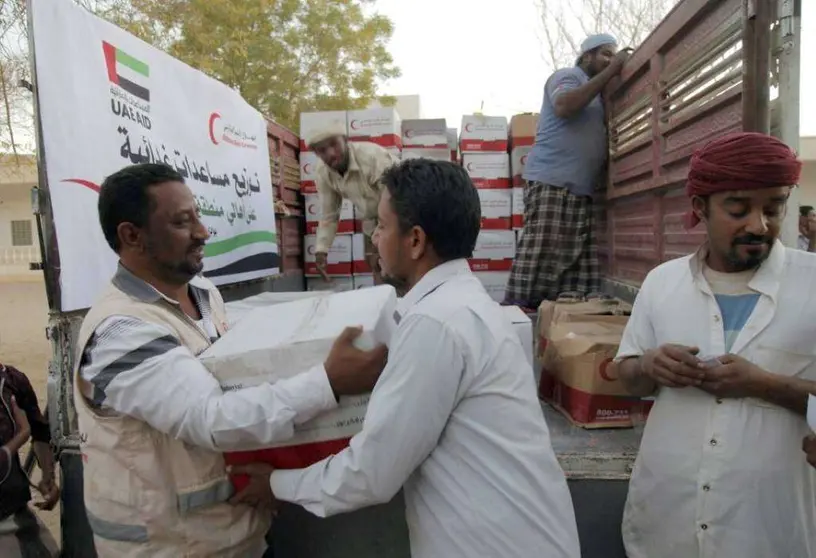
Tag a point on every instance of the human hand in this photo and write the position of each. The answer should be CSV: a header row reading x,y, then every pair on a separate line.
x,y
673,366
736,378
809,447
351,370
620,60
258,492
20,419
322,262
50,493
811,227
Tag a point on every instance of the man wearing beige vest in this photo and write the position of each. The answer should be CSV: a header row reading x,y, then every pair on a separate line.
x,y
349,170
152,419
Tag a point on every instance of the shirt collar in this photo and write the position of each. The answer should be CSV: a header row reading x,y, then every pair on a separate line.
x,y
431,281
353,164
765,281
141,290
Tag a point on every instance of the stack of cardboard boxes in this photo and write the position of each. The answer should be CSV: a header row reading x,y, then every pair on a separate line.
x,y
346,259
522,137
426,139
483,142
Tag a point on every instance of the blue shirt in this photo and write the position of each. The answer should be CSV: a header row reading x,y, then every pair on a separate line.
x,y
735,309
568,153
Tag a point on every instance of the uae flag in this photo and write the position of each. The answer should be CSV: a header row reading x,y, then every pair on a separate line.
x,y
126,71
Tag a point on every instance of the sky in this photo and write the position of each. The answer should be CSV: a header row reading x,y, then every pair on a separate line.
x,y
459,54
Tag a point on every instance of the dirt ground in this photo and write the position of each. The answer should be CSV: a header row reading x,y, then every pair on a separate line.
x,y
24,346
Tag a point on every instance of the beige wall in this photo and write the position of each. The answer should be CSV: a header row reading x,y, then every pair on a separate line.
x,y
807,184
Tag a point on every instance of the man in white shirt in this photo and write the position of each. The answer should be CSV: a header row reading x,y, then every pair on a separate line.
x,y
724,337
454,416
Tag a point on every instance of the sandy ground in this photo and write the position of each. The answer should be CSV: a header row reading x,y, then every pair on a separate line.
x,y
24,346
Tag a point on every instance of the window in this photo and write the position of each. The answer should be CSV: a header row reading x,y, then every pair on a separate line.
x,y
21,233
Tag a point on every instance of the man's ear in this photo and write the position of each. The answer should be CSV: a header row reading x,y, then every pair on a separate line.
x,y
130,236
419,242
699,205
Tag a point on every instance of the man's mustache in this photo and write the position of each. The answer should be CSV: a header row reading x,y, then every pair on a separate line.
x,y
752,240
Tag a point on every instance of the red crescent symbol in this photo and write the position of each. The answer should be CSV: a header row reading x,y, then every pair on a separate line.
x,y
354,125
311,250
524,160
307,168
312,209
469,127
602,370
213,117
470,167
82,182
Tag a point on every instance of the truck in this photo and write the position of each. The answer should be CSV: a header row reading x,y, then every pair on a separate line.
x,y
709,68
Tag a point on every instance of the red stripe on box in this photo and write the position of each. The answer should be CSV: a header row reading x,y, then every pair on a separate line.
x,y
360,266
453,155
594,410
522,141
308,187
518,181
303,146
496,223
390,140
343,227
501,183
294,457
358,226
517,221
490,265
338,269
439,146
499,146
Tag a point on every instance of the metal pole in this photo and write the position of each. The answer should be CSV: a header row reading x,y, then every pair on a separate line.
x,y
788,53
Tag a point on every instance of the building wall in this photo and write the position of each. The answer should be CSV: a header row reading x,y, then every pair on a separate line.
x,y
807,184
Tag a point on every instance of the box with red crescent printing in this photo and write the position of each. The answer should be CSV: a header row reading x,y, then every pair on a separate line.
x,y
276,342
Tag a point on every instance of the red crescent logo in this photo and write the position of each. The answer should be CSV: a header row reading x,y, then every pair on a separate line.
x,y
524,160
409,133
353,125
312,208
602,370
213,117
469,127
311,250
307,168
469,167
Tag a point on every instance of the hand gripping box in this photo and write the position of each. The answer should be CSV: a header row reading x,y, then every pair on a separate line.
x,y
279,341
339,257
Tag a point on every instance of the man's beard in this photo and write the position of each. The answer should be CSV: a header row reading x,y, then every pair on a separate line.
x,y
399,284
181,270
753,261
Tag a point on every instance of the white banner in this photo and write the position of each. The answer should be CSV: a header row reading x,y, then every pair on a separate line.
x,y
108,100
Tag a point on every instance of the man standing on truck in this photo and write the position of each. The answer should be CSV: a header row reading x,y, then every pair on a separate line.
x,y
558,254
454,417
350,170
807,228
725,337
154,422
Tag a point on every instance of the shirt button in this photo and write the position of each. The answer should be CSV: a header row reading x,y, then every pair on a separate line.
x,y
713,442
703,526
716,318
706,487
719,400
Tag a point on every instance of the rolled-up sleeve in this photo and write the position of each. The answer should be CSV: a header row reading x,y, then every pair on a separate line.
x,y
425,366
139,369
330,204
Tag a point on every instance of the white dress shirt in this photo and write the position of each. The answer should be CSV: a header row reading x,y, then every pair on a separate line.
x,y
455,419
724,478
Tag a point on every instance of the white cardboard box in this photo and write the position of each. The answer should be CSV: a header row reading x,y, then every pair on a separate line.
x,y
345,223
483,133
518,207
421,153
237,309
426,133
496,209
309,162
337,284
494,251
453,143
359,263
494,282
488,170
339,257
274,343
518,160
380,125
311,122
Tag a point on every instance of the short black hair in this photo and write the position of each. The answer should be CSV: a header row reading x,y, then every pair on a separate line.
x,y
440,198
123,197
804,210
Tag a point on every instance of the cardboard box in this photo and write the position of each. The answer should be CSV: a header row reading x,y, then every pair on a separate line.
x,y
311,122
238,309
494,251
345,224
494,282
380,125
363,281
309,163
453,143
518,160
524,327
496,209
339,263
278,342
483,133
428,133
577,344
434,154
358,257
336,285
488,170
517,219
523,129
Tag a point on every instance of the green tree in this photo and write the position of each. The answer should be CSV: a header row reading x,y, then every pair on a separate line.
x,y
284,56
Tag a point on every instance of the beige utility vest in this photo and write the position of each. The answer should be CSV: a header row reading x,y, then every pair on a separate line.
x,y
148,494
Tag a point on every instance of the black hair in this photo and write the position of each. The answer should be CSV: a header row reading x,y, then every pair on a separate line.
x,y
123,197
440,198
804,210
